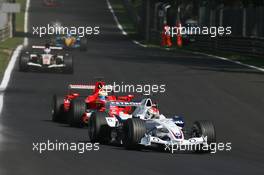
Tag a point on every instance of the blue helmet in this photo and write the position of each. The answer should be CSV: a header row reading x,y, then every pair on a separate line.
x,y
102,98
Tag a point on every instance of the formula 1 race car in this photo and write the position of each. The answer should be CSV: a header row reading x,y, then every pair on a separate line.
x,y
42,57
51,3
71,42
145,126
81,102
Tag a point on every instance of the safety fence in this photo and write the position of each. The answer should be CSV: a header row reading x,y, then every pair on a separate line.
x,y
4,33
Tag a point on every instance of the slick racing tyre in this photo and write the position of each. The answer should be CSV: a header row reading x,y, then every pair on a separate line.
x,y
134,130
77,110
23,62
206,129
98,129
68,62
57,109
83,44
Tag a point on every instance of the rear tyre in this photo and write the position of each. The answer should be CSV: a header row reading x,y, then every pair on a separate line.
x,y
206,129
57,108
134,131
77,110
68,61
83,44
23,62
98,129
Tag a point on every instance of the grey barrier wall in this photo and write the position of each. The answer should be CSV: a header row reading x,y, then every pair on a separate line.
x,y
3,17
5,23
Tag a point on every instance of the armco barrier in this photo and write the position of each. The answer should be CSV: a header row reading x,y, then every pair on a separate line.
x,y
242,46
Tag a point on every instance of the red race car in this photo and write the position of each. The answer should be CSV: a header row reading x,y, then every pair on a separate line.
x,y
51,3
76,107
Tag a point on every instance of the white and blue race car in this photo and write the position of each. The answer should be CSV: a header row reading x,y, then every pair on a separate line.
x,y
145,126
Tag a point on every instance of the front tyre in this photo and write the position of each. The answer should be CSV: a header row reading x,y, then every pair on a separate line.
x,y
57,108
134,130
68,62
23,62
98,129
83,44
204,129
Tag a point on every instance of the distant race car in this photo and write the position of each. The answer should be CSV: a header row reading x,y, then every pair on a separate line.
x,y
71,42
51,3
147,127
77,106
46,57
189,36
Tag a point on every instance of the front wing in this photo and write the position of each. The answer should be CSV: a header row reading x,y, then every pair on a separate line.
x,y
46,66
149,140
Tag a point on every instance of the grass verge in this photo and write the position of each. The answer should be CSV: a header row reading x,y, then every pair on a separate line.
x,y
7,46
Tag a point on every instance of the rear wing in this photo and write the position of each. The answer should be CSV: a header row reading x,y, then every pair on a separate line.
x,y
108,88
43,47
123,104
81,86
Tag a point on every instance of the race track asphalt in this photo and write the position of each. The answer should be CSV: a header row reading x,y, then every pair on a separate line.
x,y
197,87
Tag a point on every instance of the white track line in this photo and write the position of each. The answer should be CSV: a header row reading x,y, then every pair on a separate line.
x,y
7,75
119,25
232,61
138,43
115,18
12,61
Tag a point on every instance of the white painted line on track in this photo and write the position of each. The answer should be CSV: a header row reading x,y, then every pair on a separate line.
x,y
7,74
232,61
115,18
11,64
119,25
138,43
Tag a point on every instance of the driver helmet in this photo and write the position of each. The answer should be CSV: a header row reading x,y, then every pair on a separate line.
x,y
47,49
166,29
152,113
68,35
102,93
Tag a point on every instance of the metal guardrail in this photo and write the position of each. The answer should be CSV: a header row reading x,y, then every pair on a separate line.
x,y
242,46
4,33
245,46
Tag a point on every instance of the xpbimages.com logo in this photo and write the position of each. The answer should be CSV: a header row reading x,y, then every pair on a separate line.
x,y
190,30
56,29
212,147
145,89
51,146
